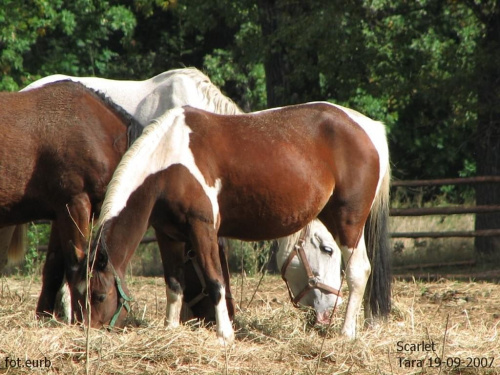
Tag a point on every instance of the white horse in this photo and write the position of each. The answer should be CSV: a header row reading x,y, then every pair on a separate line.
x,y
148,99
310,262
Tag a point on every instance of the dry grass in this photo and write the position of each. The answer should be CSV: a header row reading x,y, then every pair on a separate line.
x,y
462,319
431,250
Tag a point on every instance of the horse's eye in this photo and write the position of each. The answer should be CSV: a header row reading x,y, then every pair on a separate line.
x,y
98,297
326,249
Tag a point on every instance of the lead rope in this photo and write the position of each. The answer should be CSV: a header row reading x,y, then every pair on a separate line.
x,y
191,256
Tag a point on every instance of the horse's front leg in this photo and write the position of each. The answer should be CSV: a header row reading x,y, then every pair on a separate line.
x,y
172,256
73,223
53,277
204,240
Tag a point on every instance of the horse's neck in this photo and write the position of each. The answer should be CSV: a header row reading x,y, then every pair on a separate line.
x,y
120,240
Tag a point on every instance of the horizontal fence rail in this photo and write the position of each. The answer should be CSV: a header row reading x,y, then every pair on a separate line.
x,y
454,210
448,181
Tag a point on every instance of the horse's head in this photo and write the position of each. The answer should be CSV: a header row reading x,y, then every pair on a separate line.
x,y
100,287
310,263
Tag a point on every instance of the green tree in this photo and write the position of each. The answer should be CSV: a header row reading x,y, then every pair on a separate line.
x,y
42,37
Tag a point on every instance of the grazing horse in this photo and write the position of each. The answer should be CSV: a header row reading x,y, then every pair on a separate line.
x,y
194,175
144,100
150,98
309,261
59,146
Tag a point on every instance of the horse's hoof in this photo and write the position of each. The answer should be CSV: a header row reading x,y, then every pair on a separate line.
x,y
227,339
171,324
349,333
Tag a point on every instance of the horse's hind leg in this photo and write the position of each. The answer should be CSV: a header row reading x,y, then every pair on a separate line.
x,y
357,273
347,227
53,281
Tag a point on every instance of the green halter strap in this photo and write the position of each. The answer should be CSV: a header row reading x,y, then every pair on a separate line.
x,y
123,299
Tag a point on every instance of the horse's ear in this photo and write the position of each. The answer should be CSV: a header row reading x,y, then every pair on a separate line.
x,y
101,260
77,255
99,256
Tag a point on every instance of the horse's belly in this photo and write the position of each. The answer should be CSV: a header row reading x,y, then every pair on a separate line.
x,y
260,214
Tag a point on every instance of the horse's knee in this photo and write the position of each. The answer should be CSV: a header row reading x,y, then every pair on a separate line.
x,y
357,274
214,289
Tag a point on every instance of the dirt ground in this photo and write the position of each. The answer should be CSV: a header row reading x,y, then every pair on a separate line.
x,y
442,327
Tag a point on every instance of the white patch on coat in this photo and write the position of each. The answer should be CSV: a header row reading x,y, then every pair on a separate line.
x,y
164,143
225,331
174,308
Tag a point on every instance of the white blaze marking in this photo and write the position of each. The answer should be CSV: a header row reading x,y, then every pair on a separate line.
x,y
164,143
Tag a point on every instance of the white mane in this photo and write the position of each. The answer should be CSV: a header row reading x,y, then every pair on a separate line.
x,y
215,100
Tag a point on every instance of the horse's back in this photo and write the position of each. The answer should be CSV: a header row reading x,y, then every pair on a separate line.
x,y
46,80
305,152
57,141
311,129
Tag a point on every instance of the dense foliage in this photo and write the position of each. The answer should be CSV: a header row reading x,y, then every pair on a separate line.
x,y
428,68
411,64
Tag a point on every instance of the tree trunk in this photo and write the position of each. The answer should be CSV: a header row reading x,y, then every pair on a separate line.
x,y
273,60
291,72
488,129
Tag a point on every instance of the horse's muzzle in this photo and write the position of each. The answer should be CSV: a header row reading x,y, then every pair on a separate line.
x,y
323,317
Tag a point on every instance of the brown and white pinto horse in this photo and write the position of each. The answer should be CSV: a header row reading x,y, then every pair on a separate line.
x,y
59,147
194,175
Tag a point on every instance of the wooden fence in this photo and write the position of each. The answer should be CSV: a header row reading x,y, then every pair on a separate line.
x,y
446,210
410,271
424,210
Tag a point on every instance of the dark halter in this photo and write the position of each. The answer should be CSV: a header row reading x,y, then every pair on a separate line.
x,y
191,257
312,281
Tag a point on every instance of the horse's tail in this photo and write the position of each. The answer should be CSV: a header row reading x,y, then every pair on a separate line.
x,y
18,244
378,289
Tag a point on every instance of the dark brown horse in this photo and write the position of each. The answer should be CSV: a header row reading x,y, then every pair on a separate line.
x,y
194,175
59,146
